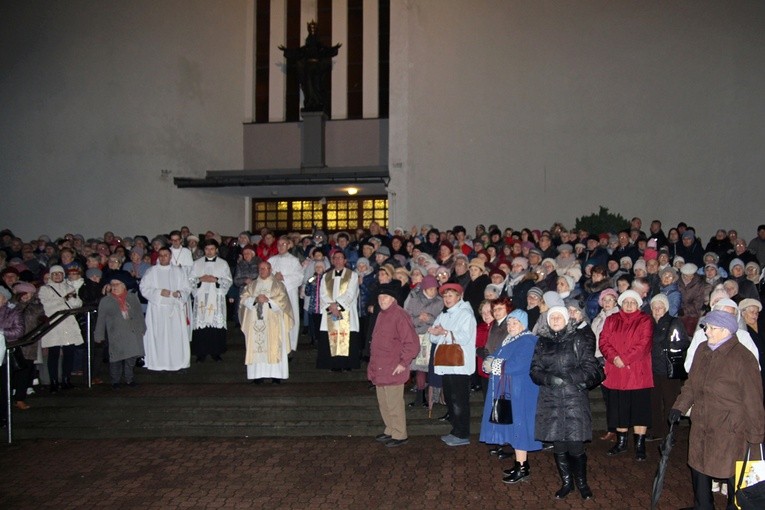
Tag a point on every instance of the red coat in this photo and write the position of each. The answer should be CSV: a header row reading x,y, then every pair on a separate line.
x,y
394,342
629,336
264,251
481,337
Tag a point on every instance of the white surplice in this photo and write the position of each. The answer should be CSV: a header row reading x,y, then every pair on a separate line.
x,y
166,340
292,272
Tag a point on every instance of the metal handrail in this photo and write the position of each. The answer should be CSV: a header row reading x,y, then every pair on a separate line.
x,y
33,336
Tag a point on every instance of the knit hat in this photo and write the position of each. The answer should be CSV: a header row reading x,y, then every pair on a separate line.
x,y
478,262
24,288
661,298
607,292
552,299
523,261
363,260
383,250
56,269
557,309
496,289
569,281
565,247
498,272
536,291
630,294
743,305
520,316
428,282
688,234
689,269
668,270
720,319
639,264
736,262
388,269
93,271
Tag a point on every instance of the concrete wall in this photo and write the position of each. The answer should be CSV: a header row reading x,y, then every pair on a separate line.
x,y
529,112
362,142
99,96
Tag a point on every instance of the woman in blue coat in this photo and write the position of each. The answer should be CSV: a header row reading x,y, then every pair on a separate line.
x,y
514,359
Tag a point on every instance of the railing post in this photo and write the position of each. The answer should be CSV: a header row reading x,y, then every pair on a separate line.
x,y
88,348
8,393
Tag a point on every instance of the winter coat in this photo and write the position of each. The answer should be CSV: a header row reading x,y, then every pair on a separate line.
x,y
33,315
513,360
11,322
474,293
394,342
416,303
668,333
52,297
694,294
597,327
125,334
725,391
564,366
591,292
674,297
629,336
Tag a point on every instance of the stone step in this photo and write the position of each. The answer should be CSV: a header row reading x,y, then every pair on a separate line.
x,y
214,399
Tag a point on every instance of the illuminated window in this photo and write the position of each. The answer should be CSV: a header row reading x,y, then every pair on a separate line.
x,y
305,215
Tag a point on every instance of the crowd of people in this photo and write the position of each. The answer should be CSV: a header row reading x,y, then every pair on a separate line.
x,y
663,323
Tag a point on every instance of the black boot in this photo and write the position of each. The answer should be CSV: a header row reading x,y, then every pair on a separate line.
x,y
518,473
417,399
66,383
54,386
621,444
639,447
579,470
564,470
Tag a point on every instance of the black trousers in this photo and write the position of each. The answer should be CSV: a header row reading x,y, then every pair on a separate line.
x,y
66,364
702,492
457,395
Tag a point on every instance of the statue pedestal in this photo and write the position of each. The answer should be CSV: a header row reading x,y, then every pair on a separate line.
x,y
312,140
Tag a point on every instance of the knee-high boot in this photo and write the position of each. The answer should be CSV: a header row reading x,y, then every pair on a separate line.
x,y
564,470
579,470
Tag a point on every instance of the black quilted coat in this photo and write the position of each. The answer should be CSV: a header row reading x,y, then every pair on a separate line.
x,y
564,367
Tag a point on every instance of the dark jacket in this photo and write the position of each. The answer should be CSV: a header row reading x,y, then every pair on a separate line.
x,y
725,391
474,293
668,333
563,367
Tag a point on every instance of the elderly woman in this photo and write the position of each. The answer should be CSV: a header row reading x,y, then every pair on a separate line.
x,y
668,280
509,368
120,319
608,306
58,295
669,338
423,305
457,325
751,313
626,346
12,328
725,392
564,367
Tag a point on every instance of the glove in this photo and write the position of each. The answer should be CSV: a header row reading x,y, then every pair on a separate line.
x,y
674,415
554,380
482,352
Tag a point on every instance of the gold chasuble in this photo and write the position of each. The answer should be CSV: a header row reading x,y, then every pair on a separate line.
x,y
338,330
265,334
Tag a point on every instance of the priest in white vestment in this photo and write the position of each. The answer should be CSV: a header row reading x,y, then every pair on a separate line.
x,y
266,322
210,281
287,269
339,346
166,341
182,257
